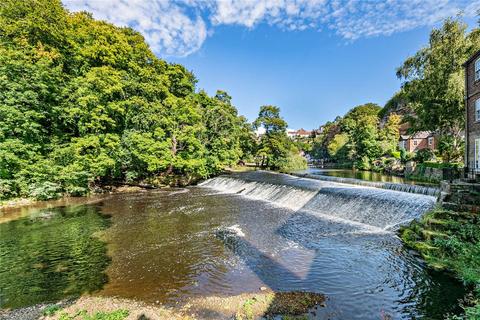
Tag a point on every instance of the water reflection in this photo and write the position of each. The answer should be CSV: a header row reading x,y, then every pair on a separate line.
x,y
164,247
50,255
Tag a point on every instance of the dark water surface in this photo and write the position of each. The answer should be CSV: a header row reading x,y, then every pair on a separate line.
x,y
170,245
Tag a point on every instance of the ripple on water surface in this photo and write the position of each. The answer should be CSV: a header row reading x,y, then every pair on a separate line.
x,y
170,245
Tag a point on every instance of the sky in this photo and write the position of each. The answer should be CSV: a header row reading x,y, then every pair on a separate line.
x,y
315,59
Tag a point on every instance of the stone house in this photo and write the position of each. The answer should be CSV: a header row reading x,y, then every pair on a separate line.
x,y
472,110
418,141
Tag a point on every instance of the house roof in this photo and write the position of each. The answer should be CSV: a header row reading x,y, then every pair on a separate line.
x,y
417,135
475,56
302,131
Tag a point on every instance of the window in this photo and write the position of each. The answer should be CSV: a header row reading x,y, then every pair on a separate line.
x,y
415,142
477,110
477,69
430,141
477,154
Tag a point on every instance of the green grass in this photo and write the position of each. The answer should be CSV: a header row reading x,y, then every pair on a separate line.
x,y
450,240
82,315
51,310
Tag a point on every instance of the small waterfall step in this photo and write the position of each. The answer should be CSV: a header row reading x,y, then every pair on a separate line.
x,y
403,187
381,208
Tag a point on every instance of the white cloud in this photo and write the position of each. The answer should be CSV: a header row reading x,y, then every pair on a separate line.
x,y
179,27
166,26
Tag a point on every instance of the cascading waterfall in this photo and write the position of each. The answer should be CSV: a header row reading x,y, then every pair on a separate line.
x,y
381,208
282,195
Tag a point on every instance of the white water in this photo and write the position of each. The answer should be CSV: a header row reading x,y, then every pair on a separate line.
x,y
410,188
281,195
380,208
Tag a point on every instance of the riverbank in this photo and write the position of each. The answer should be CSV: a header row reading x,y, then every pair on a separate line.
x,y
68,200
450,241
112,188
287,305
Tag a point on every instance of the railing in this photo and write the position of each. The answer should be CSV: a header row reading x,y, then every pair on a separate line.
x,y
471,172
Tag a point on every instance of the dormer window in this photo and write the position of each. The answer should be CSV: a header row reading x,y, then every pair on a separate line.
x,y
477,69
477,110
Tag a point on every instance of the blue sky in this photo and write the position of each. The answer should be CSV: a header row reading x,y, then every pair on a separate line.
x,y
315,59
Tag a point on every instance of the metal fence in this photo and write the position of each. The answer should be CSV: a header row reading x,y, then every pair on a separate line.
x,y
471,173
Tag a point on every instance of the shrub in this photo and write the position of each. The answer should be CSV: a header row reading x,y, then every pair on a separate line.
x,y
424,155
46,191
51,310
293,162
8,189
396,154
363,164
405,156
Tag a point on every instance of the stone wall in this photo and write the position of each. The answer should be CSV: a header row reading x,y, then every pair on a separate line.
x,y
414,170
460,196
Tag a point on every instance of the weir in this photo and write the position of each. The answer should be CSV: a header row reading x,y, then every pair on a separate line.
x,y
403,187
381,208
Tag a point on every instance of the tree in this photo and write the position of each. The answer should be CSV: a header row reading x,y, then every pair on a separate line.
x,y
361,125
222,130
390,134
434,83
84,102
337,148
274,143
328,132
276,150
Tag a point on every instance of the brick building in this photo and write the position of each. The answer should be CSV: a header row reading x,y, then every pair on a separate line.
x,y
418,141
472,109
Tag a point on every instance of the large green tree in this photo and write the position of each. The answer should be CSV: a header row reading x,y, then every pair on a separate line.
x,y
275,149
434,84
84,102
361,125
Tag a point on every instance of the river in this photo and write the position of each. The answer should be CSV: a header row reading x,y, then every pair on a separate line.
x,y
229,235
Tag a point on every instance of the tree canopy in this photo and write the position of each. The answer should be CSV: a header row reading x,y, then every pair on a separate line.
x,y
83,101
434,84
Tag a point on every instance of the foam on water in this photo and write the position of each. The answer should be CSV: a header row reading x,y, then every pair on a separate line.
x,y
382,209
282,195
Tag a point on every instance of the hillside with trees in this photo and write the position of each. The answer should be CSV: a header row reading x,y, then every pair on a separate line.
x,y
431,99
84,103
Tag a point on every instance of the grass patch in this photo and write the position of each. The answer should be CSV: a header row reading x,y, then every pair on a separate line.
x,y
282,305
83,315
450,240
51,310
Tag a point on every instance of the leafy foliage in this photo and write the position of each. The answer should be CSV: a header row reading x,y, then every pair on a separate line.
x,y
83,102
434,84
275,149
83,315
450,240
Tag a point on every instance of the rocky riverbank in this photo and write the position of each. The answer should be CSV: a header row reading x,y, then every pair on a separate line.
x,y
294,305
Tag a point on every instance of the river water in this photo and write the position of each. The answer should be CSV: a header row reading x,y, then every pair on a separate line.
x,y
230,235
